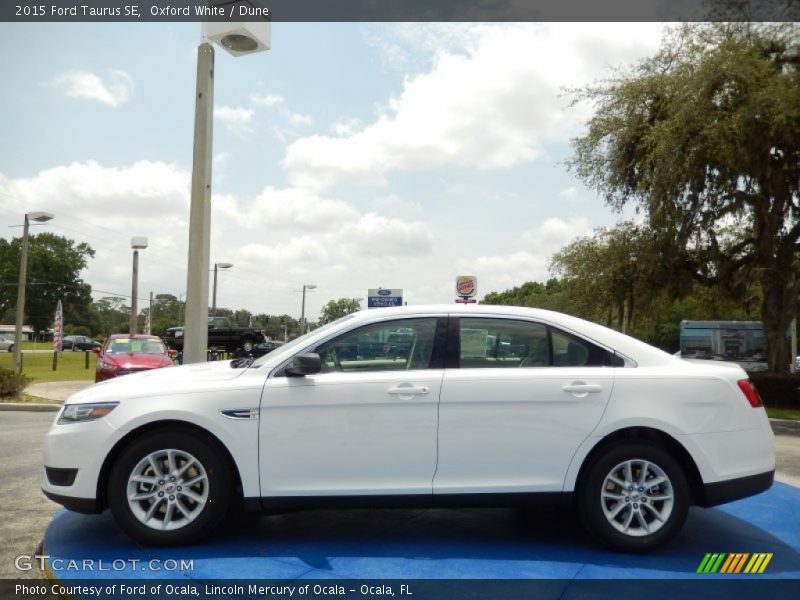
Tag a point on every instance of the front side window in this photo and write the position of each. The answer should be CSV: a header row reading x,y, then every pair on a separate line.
x,y
387,346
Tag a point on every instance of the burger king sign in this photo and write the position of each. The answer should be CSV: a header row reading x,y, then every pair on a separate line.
x,y
466,286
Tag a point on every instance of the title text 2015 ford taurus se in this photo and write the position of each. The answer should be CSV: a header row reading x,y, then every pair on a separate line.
x,y
480,406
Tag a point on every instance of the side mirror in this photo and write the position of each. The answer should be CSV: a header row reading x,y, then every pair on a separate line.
x,y
304,364
97,350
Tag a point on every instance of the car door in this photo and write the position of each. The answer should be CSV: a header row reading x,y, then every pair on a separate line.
x,y
365,425
522,398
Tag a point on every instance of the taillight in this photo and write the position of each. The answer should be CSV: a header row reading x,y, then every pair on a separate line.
x,y
750,393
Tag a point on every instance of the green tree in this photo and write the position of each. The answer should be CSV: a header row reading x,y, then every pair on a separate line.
x,y
548,295
704,137
336,309
110,315
54,266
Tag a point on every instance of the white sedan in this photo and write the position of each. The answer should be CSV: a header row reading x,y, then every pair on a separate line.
x,y
6,343
435,406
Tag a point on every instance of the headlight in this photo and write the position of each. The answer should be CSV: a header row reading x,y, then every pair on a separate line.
x,y
78,413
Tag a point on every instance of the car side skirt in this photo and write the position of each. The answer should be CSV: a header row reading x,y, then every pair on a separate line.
x,y
486,500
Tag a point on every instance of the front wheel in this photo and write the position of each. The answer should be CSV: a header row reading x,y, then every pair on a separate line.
x,y
247,345
634,498
11,348
169,488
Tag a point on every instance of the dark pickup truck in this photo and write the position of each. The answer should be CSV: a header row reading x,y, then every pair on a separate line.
x,y
220,335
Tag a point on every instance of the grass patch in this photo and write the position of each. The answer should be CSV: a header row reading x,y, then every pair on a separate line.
x,y
39,367
25,398
784,413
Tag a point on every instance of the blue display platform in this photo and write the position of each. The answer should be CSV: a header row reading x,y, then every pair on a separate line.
x,y
427,544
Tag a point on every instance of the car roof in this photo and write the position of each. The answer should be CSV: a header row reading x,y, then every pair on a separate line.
x,y
135,336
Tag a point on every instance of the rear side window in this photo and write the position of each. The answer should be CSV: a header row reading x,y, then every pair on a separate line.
x,y
506,343
572,351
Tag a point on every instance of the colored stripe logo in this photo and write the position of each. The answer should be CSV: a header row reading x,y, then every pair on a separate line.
x,y
734,563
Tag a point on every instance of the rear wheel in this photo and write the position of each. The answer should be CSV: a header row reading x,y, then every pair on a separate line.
x,y
247,345
634,498
169,487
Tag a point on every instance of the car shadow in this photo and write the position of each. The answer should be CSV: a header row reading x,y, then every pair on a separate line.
x,y
440,543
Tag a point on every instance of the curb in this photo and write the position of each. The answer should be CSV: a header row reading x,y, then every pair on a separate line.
x,y
30,406
785,426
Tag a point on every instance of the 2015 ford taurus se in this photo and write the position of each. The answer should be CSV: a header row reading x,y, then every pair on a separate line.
x,y
479,406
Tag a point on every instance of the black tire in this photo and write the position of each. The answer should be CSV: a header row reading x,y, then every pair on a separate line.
x,y
11,348
216,488
247,345
609,530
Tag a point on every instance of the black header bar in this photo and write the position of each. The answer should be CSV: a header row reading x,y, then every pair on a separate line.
x,y
398,10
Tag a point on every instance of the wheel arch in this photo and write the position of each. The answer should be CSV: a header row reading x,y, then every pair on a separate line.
x,y
172,425
654,436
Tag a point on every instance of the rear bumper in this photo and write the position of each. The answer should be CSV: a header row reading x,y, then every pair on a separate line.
x,y
721,492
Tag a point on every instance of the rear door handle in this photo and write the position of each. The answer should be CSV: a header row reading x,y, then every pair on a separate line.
x,y
408,391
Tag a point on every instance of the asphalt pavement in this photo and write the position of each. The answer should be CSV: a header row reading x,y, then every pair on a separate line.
x,y
26,512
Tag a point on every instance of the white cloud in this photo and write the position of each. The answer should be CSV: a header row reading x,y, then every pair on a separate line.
x,y
374,236
296,250
297,209
113,90
297,118
266,100
106,206
277,101
488,105
346,126
237,118
570,193
529,259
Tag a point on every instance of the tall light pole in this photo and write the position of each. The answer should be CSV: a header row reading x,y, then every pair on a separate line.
x,y
306,286
137,243
39,217
237,39
216,267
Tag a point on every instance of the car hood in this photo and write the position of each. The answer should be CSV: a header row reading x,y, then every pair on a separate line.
x,y
131,360
185,379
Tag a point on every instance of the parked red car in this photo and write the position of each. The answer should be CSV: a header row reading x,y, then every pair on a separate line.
x,y
123,354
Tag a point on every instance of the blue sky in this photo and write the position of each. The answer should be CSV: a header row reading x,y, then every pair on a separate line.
x,y
350,156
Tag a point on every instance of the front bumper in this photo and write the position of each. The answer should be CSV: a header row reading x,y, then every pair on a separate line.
x,y
88,506
721,492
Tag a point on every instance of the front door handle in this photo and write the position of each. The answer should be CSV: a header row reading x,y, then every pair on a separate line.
x,y
582,389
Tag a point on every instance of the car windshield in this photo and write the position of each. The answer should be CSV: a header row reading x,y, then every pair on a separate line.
x,y
289,346
126,345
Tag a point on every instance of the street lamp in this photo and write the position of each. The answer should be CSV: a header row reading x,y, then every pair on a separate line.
x,y
237,39
307,286
217,266
137,243
39,217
